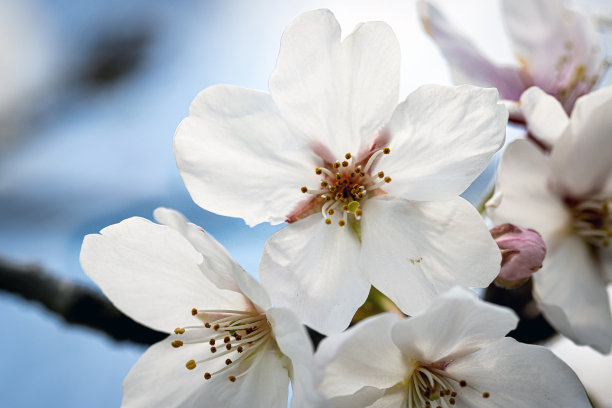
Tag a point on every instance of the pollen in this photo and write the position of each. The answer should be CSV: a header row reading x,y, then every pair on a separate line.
x,y
386,150
328,221
178,330
318,171
341,223
177,343
191,364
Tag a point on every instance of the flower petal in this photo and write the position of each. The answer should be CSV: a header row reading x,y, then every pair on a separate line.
x,y
442,138
572,294
546,119
467,64
523,197
336,93
581,164
455,325
516,375
557,46
312,268
152,273
362,398
238,158
293,341
413,250
363,355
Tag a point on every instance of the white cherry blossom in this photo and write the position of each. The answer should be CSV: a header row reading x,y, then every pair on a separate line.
x,y
557,49
228,347
454,354
369,188
567,197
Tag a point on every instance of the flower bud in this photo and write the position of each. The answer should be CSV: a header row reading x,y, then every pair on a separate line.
x,y
522,251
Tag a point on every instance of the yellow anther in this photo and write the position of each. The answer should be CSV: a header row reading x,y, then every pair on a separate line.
x,y
304,189
178,330
387,179
327,221
324,183
330,211
328,198
338,176
216,327
190,365
347,156
177,343
332,189
360,195
207,376
352,174
318,171
232,378
358,212
386,150
381,174
341,223
194,311
345,207
336,165
345,164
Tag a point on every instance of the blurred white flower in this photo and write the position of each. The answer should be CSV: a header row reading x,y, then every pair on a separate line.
x,y
454,354
381,182
557,49
567,198
241,351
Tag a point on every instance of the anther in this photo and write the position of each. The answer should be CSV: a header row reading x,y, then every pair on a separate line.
x,y
453,394
328,221
228,361
451,401
178,330
239,349
216,327
341,223
194,311
330,211
345,164
190,365
207,376
177,343
226,339
324,183
347,156
387,179
336,165
232,378
207,325
462,383
304,189
386,150
485,395
213,349
318,171
212,342
228,346
381,174
358,212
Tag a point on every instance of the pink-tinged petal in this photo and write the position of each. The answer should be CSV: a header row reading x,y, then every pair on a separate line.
x,y
412,251
336,93
293,342
546,119
571,292
152,273
238,158
313,269
442,138
393,398
467,64
455,325
556,46
581,163
516,375
522,194
362,356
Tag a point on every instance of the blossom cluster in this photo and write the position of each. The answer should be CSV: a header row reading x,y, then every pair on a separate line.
x,y
369,189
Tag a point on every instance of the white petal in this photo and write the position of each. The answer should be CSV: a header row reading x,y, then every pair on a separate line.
x,y
523,194
516,375
160,378
312,268
554,45
413,251
455,325
546,118
362,398
581,164
467,64
238,158
293,342
363,355
572,294
152,273
442,138
336,93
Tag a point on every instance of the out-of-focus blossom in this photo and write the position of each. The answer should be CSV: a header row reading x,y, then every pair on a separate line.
x,y
379,184
557,49
231,347
522,250
454,354
567,198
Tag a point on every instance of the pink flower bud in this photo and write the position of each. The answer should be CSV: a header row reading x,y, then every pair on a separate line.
x,y
523,251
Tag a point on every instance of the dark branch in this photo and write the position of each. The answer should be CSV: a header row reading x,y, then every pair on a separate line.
x,y
76,304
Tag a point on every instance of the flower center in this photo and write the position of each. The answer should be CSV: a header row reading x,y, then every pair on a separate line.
x,y
430,386
344,185
592,220
232,338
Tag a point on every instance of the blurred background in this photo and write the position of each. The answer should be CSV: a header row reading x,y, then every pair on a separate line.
x,y
90,95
